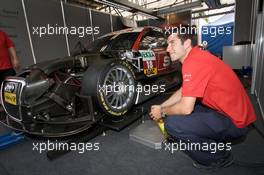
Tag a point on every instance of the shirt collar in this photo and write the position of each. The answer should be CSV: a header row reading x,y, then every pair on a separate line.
x,y
193,50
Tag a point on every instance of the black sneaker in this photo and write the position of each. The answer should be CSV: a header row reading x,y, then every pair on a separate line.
x,y
222,163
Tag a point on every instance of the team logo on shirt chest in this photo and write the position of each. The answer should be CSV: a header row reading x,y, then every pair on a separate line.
x,y
187,77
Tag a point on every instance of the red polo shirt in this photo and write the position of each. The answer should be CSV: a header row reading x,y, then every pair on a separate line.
x,y
216,85
5,43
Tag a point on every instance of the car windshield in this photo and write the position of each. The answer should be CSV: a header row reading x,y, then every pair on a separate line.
x,y
122,41
97,44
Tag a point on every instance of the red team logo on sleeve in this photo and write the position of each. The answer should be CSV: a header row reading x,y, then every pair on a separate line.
x,y
187,77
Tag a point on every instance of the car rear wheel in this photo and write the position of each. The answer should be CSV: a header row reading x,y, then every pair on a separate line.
x,y
112,85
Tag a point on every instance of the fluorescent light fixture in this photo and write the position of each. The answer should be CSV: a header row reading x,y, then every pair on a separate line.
x,y
180,8
147,15
227,2
112,4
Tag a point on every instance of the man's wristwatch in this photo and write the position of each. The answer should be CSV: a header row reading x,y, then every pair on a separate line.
x,y
163,114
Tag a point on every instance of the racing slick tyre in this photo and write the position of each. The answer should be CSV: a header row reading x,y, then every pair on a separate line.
x,y
112,86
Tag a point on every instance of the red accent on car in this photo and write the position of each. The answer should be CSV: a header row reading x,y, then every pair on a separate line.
x,y
136,44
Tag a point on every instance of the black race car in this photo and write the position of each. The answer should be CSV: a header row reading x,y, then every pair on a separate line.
x,y
67,95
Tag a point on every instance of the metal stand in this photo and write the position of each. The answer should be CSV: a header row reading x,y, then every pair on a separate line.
x,y
118,125
148,134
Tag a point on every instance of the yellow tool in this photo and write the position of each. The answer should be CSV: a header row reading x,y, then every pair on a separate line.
x,y
160,123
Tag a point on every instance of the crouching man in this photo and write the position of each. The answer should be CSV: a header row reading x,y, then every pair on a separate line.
x,y
211,106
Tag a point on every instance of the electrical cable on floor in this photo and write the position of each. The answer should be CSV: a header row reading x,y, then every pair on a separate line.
x,y
252,164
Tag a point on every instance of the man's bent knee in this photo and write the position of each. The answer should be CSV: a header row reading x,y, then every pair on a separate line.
x,y
173,125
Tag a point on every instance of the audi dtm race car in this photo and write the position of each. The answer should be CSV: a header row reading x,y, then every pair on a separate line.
x,y
67,95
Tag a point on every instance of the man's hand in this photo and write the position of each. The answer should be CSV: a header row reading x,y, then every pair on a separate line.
x,y
16,64
14,59
155,112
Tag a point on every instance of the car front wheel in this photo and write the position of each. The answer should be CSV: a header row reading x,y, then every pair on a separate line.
x,y
112,85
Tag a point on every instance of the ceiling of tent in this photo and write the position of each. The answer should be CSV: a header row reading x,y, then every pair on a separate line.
x,y
145,9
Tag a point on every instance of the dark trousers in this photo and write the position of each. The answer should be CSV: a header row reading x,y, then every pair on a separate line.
x,y
5,73
205,127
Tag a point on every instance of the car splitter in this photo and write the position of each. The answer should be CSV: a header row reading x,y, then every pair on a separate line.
x,y
83,134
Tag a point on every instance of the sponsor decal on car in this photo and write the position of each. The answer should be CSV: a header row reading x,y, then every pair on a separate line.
x,y
149,62
10,98
9,93
147,55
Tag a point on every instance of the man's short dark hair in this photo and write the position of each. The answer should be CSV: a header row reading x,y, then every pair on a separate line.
x,y
186,32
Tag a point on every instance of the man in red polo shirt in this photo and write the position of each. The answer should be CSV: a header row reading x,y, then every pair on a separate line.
x,y
8,57
211,107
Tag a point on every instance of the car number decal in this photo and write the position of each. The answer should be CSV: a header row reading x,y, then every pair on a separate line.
x,y
150,68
